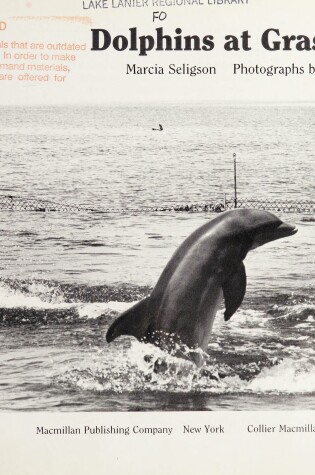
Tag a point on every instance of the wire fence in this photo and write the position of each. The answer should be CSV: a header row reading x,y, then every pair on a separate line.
x,y
285,206
16,203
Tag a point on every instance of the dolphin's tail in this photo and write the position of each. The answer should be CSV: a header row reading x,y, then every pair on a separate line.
x,y
134,322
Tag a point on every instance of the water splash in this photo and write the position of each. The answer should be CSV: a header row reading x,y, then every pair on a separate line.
x,y
133,368
289,377
258,351
38,302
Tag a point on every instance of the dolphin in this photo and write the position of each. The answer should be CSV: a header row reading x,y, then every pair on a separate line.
x,y
205,269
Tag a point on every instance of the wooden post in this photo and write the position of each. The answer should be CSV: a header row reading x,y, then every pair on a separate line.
x,y
235,184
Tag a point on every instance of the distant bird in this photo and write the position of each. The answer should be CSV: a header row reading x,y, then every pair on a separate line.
x,y
160,128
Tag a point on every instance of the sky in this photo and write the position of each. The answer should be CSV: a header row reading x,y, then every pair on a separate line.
x,y
100,77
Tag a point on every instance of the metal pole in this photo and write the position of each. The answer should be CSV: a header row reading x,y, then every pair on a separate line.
x,y
235,184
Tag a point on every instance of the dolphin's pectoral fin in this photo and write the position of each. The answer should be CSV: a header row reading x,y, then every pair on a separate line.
x,y
233,291
133,321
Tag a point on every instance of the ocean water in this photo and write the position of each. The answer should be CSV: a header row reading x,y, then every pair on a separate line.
x,y
66,276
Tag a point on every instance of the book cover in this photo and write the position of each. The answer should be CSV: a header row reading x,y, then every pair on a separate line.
x,y
157,236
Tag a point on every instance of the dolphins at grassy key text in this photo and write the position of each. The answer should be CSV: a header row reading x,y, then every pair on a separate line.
x,y
207,267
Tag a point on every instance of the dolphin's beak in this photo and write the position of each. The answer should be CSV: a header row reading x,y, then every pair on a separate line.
x,y
281,231
285,230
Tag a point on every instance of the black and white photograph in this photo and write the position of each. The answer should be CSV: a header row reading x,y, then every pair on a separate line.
x,y
164,291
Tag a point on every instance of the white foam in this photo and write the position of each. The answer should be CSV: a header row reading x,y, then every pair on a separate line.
x,y
302,325
10,298
288,376
244,319
297,308
96,309
131,368
296,338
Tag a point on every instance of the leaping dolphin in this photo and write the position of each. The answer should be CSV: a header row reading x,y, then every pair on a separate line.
x,y
207,267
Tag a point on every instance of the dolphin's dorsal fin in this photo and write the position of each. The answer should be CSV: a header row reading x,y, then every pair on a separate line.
x,y
233,291
133,321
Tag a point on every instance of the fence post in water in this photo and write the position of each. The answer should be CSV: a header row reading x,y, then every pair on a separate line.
x,y
235,185
224,201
